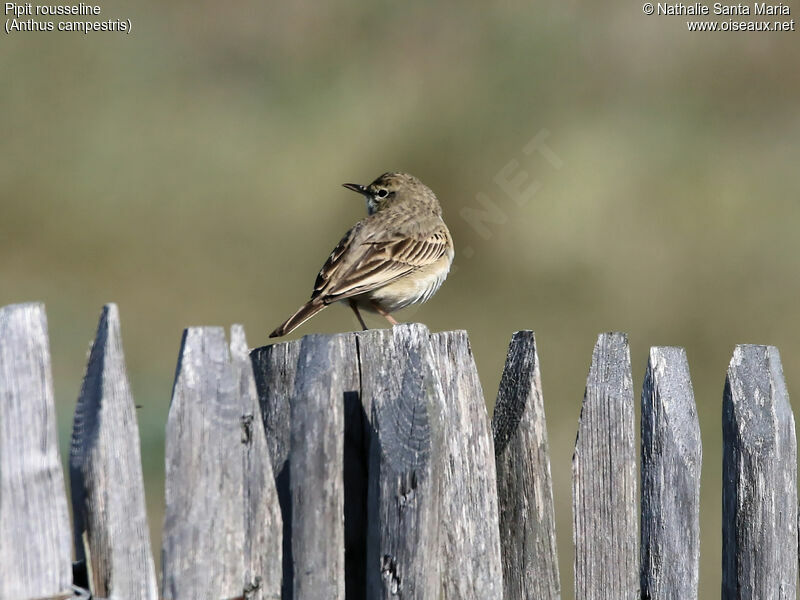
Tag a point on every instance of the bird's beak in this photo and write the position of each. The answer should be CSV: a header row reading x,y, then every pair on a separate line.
x,y
356,187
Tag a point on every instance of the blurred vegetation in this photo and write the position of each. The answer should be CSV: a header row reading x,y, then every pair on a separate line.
x,y
190,172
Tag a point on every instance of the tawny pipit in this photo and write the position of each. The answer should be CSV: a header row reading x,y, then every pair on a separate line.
x,y
397,256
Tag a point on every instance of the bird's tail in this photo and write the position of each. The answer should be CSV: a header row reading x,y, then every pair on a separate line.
x,y
303,314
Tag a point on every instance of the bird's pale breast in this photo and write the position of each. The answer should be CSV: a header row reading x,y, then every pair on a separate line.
x,y
414,288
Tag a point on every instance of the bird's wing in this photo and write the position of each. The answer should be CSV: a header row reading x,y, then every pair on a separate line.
x,y
358,266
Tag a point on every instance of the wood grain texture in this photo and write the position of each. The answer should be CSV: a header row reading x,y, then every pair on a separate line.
x,y
263,526
470,535
275,369
402,390
35,551
605,512
203,525
108,502
325,372
671,462
759,479
524,482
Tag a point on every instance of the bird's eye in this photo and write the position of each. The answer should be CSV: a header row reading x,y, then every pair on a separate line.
x,y
382,193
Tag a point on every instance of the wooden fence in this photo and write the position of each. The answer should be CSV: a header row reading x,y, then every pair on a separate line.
x,y
364,465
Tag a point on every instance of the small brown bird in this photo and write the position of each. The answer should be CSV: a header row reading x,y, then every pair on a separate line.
x,y
397,256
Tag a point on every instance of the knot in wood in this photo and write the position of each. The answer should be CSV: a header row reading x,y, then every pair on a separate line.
x,y
247,428
390,575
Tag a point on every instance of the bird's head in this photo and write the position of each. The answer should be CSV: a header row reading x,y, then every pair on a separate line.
x,y
391,188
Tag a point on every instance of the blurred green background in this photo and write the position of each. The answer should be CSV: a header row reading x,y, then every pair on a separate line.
x,y
190,172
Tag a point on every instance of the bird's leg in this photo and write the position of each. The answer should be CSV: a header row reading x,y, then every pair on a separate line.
x,y
384,314
354,306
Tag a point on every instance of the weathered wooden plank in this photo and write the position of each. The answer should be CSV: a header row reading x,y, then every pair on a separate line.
x,y
108,502
400,384
470,540
524,483
275,368
35,551
203,524
759,485
262,514
325,372
671,462
605,515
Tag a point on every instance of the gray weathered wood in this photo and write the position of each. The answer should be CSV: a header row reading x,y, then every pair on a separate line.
x,y
262,514
324,374
108,503
605,515
524,483
671,461
35,553
470,536
203,525
759,485
275,368
401,387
